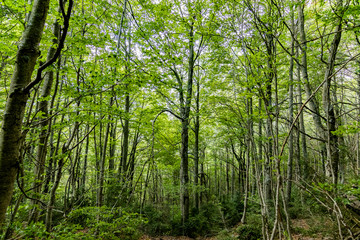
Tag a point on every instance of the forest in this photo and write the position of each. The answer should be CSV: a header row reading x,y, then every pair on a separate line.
x,y
180,119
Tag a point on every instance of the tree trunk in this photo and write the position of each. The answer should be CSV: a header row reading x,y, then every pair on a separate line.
x,y
227,169
185,114
248,154
125,145
184,173
64,150
84,169
196,149
332,139
111,190
357,165
100,192
268,106
202,183
291,118
44,126
56,179
301,127
303,47
312,103
11,131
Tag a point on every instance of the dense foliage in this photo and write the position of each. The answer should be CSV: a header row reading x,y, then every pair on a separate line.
x,y
199,118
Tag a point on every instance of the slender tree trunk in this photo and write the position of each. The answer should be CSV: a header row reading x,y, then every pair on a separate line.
x,y
341,141
125,142
233,170
100,192
131,165
248,151
312,103
64,150
301,126
220,183
258,166
357,165
56,180
227,173
269,122
84,170
215,173
196,149
291,118
146,186
11,131
303,48
332,145
111,191
112,150
44,126
126,127
203,184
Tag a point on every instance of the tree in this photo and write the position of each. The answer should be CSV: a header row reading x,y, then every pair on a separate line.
x,y
332,139
11,133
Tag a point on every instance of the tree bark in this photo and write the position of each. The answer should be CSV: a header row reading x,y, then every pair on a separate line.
x,y
312,103
248,156
332,147
11,131
301,127
125,145
291,118
64,151
357,164
185,114
44,125
269,122
303,47
100,192
196,149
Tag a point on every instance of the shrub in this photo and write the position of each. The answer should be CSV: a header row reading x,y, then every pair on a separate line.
x,y
159,221
232,209
32,231
199,223
107,223
225,235
249,232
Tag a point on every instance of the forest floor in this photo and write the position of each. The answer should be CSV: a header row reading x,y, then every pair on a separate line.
x,y
176,238
303,225
311,229
303,229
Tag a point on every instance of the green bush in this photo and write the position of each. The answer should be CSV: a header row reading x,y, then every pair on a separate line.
x,y
232,209
107,223
69,231
158,220
249,232
163,221
33,231
199,223
225,235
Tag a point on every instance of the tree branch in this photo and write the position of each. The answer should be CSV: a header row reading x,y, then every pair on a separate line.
x,y
66,17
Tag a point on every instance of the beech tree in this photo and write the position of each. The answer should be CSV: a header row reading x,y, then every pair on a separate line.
x,y
21,84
